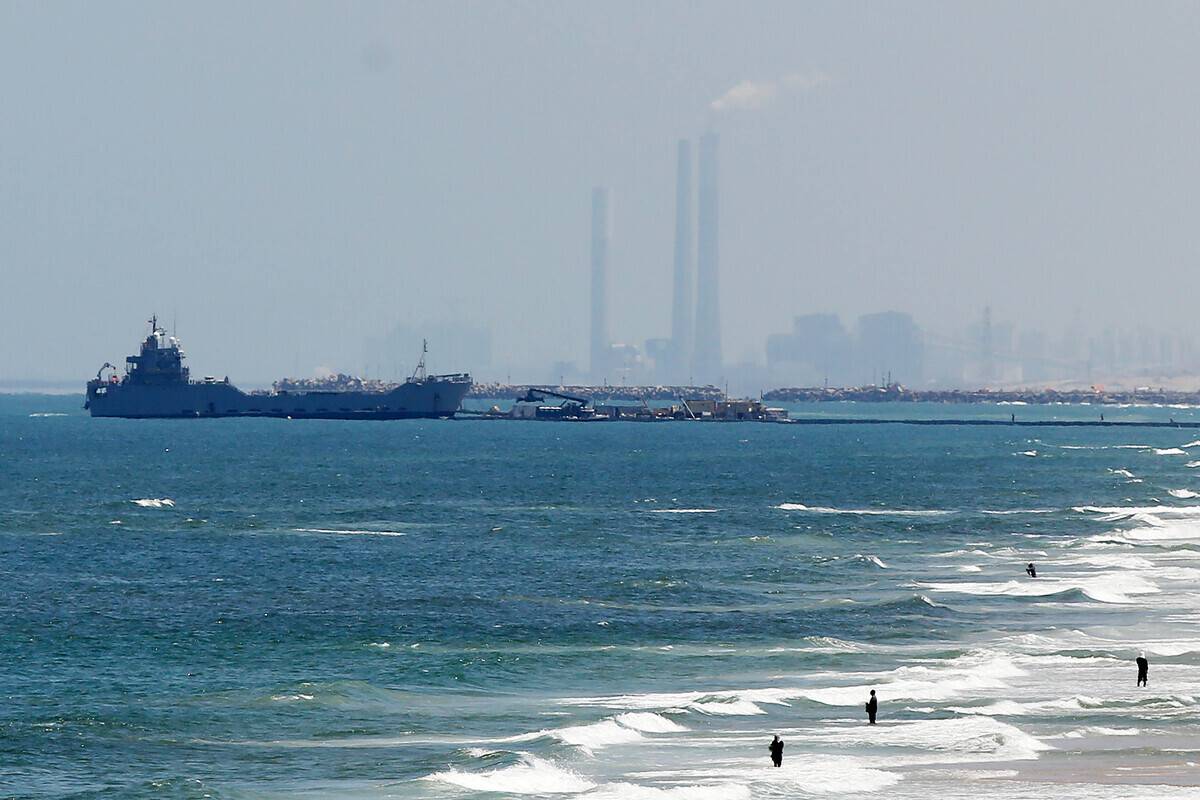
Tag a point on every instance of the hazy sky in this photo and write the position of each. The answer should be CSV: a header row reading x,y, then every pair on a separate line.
x,y
290,179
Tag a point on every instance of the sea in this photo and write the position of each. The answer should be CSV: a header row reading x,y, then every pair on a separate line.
x,y
437,610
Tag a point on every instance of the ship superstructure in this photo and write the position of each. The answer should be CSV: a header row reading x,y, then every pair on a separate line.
x,y
157,384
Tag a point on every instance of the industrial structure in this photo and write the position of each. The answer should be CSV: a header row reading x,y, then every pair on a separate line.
x,y
599,330
679,368
707,362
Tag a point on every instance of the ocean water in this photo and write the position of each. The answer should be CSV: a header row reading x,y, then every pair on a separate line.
x,y
437,609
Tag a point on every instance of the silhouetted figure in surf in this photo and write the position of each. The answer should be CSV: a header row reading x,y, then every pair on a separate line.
x,y
1143,669
776,748
1031,570
872,708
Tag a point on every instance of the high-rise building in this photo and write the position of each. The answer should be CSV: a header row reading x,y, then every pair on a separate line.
x,y
679,355
891,346
708,317
599,363
817,352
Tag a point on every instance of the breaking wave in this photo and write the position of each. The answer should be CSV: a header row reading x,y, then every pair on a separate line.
x,y
154,502
649,723
1116,589
532,775
346,532
882,512
957,739
963,676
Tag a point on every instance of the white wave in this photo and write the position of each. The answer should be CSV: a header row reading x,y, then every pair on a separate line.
x,y
1029,453
956,553
721,703
1192,464
633,791
47,414
1169,451
1182,494
871,559
966,675
532,775
1113,513
1000,708
969,568
154,502
1072,705
348,532
1013,511
1088,702
1097,730
292,698
1191,444
1122,472
1171,648
834,775
885,512
683,511
647,722
480,752
727,708
832,644
599,734
1107,588
958,739
1156,532
1110,561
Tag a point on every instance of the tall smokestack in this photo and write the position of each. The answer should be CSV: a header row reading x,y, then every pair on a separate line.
x,y
599,334
682,322
708,315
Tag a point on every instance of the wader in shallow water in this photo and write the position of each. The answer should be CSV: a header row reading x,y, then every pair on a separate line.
x,y
872,708
776,748
1143,670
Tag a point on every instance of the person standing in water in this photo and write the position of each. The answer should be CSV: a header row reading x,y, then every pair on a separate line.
x,y
1143,669
1031,570
872,708
776,748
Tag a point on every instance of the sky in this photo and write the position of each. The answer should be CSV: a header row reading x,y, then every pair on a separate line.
x,y
284,181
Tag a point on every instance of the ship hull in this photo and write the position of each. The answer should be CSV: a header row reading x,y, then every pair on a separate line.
x,y
432,398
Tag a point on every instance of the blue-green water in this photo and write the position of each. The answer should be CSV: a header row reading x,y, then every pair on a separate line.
x,y
433,609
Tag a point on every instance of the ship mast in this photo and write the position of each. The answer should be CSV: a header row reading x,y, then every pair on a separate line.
x,y
419,373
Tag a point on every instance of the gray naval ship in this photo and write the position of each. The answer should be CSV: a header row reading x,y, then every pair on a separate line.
x,y
157,384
